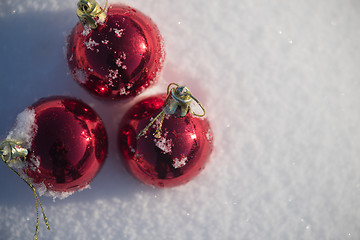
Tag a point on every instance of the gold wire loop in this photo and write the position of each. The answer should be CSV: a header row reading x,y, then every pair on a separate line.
x,y
168,88
201,106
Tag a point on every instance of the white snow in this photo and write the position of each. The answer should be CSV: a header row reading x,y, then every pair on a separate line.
x,y
163,143
87,30
90,44
113,74
178,163
119,32
123,91
45,191
105,42
34,163
118,62
280,84
81,75
25,128
122,56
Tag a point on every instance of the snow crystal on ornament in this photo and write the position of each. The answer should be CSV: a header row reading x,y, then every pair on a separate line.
x,y
118,62
130,84
25,128
119,32
43,190
209,136
123,91
86,31
123,55
34,164
164,144
91,44
113,74
157,122
178,163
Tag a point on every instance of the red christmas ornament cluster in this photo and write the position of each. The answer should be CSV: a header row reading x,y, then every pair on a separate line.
x,y
117,55
170,152
59,143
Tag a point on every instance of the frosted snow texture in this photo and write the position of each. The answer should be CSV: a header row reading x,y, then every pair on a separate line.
x,y
44,191
25,128
280,83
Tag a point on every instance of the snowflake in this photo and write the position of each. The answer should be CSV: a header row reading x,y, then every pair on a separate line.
x,y
123,91
91,44
119,32
113,74
123,55
86,31
178,163
209,135
164,144
118,62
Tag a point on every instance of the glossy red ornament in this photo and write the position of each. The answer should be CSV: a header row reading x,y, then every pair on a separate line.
x,y
67,147
176,157
120,57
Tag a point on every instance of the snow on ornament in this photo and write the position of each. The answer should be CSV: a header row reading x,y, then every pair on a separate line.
x,y
163,142
114,53
56,147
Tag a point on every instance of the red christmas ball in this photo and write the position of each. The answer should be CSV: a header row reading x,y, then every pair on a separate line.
x,y
118,57
172,159
66,143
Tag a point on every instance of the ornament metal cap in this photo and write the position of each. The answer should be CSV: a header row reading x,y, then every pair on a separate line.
x,y
11,151
178,97
90,13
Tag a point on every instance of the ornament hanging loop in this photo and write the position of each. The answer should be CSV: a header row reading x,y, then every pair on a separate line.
x,y
90,13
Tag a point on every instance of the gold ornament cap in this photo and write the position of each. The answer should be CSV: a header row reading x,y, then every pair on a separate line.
x,y
11,151
90,13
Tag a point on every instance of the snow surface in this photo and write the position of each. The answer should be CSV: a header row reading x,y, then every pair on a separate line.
x,y
280,81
